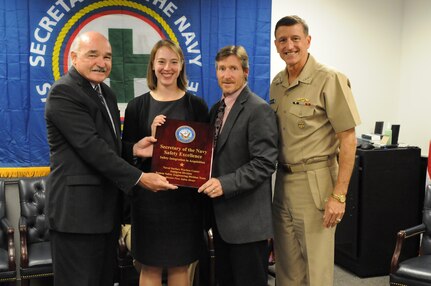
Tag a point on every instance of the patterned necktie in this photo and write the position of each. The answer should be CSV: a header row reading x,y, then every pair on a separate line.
x,y
99,93
219,121
102,99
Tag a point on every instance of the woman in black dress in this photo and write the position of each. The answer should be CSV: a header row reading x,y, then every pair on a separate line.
x,y
167,226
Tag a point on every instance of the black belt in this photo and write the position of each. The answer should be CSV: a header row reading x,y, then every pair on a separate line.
x,y
303,167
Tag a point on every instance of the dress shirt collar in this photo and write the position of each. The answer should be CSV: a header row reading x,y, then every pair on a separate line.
x,y
230,100
305,76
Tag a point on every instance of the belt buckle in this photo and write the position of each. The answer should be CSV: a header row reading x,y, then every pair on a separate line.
x,y
287,168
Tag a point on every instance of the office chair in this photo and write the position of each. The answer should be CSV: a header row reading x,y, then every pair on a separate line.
x,y
36,260
415,271
7,244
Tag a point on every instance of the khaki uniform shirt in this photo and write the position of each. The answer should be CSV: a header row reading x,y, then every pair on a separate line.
x,y
310,111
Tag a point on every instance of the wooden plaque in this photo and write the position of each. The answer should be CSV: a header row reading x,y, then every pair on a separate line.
x,y
183,152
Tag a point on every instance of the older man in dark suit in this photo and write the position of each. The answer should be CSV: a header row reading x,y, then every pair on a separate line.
x,y
87,171
245,157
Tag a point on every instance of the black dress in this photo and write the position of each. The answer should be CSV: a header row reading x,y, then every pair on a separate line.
x,y
167,226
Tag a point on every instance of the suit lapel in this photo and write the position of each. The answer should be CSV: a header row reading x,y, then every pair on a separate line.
x,y
113,109
110,100
237,107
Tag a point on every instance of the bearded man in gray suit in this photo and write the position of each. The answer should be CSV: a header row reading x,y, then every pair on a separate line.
x,y
245,155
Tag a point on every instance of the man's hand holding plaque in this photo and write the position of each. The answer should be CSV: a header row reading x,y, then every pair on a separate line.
x,y
183,151
144,147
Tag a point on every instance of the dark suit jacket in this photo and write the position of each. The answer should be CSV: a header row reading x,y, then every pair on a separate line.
x,y
87,171
244,160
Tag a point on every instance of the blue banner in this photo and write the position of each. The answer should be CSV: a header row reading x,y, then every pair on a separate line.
x,y
35,39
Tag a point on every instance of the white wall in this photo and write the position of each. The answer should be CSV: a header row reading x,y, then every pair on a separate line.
x,y
382,47
415,75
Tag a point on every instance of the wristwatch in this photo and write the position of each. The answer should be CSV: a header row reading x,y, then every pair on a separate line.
x,y
340,198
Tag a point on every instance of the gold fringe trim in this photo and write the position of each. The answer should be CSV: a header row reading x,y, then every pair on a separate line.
x,y
24,172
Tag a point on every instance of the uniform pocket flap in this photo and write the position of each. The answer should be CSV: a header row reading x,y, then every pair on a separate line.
x,y
301,110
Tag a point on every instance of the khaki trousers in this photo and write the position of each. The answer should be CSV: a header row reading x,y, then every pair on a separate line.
x,y
304,249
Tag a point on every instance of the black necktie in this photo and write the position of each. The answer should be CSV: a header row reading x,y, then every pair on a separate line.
x,y
219,121
102,99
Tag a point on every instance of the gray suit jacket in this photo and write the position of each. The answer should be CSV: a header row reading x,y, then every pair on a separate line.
x,y
244,160
87,171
